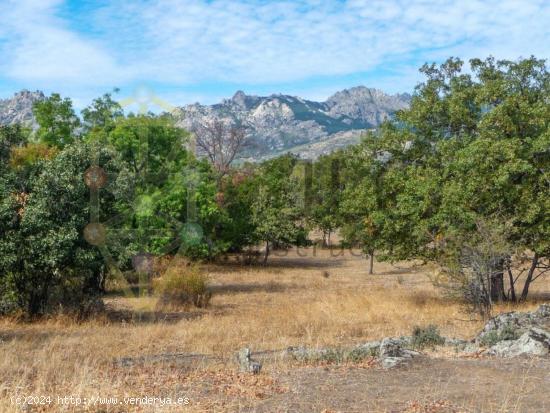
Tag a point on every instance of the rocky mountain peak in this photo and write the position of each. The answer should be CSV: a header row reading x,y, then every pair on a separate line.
x,y
281,123
18,109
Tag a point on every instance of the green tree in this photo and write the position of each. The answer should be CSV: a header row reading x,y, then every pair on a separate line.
x,y
277,218
45,262
325,197
472,148
102,114
175,206
57,120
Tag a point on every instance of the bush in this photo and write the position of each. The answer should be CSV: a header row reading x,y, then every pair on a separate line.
x,y
508,332
426,336
183,285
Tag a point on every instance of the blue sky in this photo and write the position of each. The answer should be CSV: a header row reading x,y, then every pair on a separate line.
x,y
204,50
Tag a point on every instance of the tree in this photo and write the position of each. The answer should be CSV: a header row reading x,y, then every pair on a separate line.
x,y
502,171
471,148
275,214
11,136
45,261
325,196
102,114
239,189
174,206
221,142
57,120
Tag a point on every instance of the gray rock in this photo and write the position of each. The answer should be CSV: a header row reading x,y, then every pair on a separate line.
x,y
542,314
534,342
456,342
390,362
470,348
392,351
303,353
246,364
372,347
390,347
509,326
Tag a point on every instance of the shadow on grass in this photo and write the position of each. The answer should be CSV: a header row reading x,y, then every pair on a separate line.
x,y
269,287
150,316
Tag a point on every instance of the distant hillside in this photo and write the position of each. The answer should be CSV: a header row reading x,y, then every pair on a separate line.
x,y
18,109
283,123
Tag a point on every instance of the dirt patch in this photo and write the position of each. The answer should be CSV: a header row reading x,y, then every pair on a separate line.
x,y
438,385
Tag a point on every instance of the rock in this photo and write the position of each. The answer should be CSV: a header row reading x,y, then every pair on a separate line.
x,y
334,355
370,347
390,347
542,314
470,348
456,342
303,353
510,326
534,342
393,353
390,362
246,364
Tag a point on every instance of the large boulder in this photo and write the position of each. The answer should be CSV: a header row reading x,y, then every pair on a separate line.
x,y
534,342
511,326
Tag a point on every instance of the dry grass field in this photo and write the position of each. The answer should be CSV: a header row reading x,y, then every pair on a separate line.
x,y
313,300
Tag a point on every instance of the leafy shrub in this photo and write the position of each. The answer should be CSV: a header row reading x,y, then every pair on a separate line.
x,y
426,336
183,285
508,332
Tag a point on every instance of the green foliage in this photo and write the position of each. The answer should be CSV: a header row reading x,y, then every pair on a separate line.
x,y
323,203
45,262
11,136
338,355
472,148
102,114
31,154
57,121
507,332
423,337
237,196
275,211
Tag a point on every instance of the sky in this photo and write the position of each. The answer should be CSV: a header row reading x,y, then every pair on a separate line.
x,y
190,51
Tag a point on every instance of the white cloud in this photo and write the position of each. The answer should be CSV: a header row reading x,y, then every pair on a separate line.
x,y
40,48
285,41
257,43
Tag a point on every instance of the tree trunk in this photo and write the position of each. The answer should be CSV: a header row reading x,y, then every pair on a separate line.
x,y
512,286
266,252
329,243
497,288
529,279
497,281
371,263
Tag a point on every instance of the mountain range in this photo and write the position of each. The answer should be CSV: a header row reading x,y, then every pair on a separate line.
x,y
275,124
282,123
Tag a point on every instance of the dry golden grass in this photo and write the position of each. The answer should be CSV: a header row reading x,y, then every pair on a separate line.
x,y
313,301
